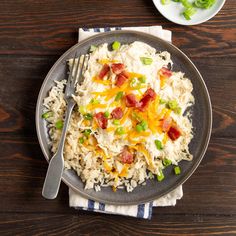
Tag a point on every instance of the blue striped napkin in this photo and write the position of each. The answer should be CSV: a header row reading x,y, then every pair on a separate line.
x,y
143,210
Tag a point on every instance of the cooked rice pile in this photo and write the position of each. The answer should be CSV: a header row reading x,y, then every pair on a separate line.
x,y
135,147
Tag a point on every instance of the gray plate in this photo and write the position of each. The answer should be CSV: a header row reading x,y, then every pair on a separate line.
x,y
202,120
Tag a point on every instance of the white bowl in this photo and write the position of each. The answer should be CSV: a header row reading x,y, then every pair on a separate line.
x,y
173,10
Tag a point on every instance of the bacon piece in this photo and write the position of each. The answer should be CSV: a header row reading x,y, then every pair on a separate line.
x,y
174,133
131,100
148,96
117,113
166,124
117,68
104,71
165,72
120,79
101,119
126,156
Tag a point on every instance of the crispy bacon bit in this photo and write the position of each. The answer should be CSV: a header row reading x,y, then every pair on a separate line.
x,y
104,71
131,100
117,68
117,113
174,133
125,74
165,72
102,120
148,96
120,79
126,156
166,124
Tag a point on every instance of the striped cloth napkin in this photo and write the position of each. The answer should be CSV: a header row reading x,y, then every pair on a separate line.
x,y
143,210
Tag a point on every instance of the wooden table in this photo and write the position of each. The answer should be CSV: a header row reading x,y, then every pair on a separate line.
x,y
33,34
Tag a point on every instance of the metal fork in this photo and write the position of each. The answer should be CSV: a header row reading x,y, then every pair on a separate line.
x,y
56,164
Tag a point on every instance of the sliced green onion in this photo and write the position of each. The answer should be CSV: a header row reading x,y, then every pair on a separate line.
x,y
88,116
146,60
87,132
59,124
116,45
47,114
139,128
119,95
174,106
142,79
204,3
162,101
94,101
188,12
177,170
135,84
158,144
144,125
92,48
160,177
120,131
116,122
166,162
81,140
82,110
106,114
186,3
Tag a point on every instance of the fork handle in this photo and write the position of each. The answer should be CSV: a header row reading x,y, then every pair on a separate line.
x,y
56,164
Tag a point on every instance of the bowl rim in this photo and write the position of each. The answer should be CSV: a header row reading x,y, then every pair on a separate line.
x,y
38,117
188,23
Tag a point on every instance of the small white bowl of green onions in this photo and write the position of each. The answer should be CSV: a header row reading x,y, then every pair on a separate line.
x,y
188,12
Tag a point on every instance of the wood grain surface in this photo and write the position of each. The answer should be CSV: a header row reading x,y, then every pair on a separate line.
x,y
33,34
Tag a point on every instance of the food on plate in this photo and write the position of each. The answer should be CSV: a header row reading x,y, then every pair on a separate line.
x,y
190,7
131,120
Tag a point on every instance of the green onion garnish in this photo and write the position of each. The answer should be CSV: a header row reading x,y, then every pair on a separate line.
x,y
160,177
119,95
204,3
177,170
139,128
142,79
47,114
174,106
82,110
116,122
146,60
162,101
116,45
92,48
158,144
81,140
94,101
87,132
120,131
88,116
106,114
166,162
144,125
188,12
59,124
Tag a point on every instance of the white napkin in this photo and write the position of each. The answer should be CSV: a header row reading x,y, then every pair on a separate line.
x,y
143,210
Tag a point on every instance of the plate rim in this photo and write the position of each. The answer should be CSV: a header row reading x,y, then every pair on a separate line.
x,y
134,202
188,23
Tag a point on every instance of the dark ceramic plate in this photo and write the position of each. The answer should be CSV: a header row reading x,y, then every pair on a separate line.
x,y
202,120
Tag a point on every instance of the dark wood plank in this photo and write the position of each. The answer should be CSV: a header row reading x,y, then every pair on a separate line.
x,y
50,28
94,224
